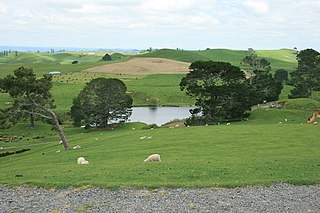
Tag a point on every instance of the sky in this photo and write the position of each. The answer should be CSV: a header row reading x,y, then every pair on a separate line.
x,y
140,24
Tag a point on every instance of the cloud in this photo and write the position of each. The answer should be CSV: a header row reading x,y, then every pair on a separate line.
x,y
193,23
3,8
259,6
166,5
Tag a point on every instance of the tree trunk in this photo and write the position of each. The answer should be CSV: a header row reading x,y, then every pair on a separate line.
x,y
32,121
58,127
56,123
60,131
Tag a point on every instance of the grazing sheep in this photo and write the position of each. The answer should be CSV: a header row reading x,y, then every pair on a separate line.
x,y
286,120
153,157
143,137
60,142
58,151
280,122
77,147
81,160
149,137
315,123
85,162
228,124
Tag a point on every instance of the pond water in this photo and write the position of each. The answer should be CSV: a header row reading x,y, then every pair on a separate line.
x,y
158,115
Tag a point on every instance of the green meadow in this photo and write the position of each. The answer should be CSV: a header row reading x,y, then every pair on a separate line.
x,y
274,145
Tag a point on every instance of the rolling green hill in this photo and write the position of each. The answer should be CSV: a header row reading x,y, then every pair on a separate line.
x,y
279,59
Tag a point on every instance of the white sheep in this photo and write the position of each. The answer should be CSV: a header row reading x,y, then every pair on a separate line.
x,y
228,124
286,120
315,123
153,157
143,137
81,160
85,162
76,147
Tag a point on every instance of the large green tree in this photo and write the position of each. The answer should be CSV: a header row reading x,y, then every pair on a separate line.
x,y
31,97
102,100
306,78
220,90
261,80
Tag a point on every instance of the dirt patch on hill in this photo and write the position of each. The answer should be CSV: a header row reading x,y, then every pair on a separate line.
x,y
143,66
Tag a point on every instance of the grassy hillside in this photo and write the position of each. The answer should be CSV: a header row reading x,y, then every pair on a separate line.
x,y
191,157
42,63
283,58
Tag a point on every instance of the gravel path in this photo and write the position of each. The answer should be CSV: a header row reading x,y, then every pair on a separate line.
x,y
276,198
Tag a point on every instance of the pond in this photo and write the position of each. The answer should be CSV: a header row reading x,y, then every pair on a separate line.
x,y
158,115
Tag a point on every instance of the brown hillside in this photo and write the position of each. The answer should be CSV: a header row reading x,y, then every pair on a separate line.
x,y
143,66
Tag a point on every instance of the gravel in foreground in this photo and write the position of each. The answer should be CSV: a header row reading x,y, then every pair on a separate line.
x,y
276,198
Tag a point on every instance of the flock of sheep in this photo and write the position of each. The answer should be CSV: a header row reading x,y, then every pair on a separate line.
x,y
151,158
156,157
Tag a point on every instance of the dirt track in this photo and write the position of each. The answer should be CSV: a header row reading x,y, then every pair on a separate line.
x,y
143,66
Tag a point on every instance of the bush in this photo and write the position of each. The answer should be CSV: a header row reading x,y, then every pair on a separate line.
x,y
151,126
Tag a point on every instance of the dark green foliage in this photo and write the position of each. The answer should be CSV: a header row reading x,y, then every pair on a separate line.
x,y
106,57
220,90
31,96
4,154
102,100
281,75
262,81
306,78
267,89
151,126
26,89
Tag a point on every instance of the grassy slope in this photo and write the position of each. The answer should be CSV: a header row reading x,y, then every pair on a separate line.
x,y
259,151
283,58
191,157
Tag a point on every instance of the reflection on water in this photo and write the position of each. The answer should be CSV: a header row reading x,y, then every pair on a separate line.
x,y
158,115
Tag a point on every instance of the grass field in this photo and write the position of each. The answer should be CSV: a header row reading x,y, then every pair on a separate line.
x,y
191,157
272,146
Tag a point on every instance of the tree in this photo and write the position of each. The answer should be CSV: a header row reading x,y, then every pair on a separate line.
x,y
31,96
281,75
262,81
220,90
101,101
306,78
106,57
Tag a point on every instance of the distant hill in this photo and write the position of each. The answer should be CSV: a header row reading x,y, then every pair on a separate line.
x,y
283,58
280,59
57,58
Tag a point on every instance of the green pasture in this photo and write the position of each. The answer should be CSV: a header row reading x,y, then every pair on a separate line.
x,y
274,145
279,59
208,156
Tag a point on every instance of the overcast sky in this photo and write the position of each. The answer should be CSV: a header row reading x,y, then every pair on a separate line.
x,y
186,24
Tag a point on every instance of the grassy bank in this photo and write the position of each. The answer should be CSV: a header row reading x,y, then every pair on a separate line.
x,y
219,156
